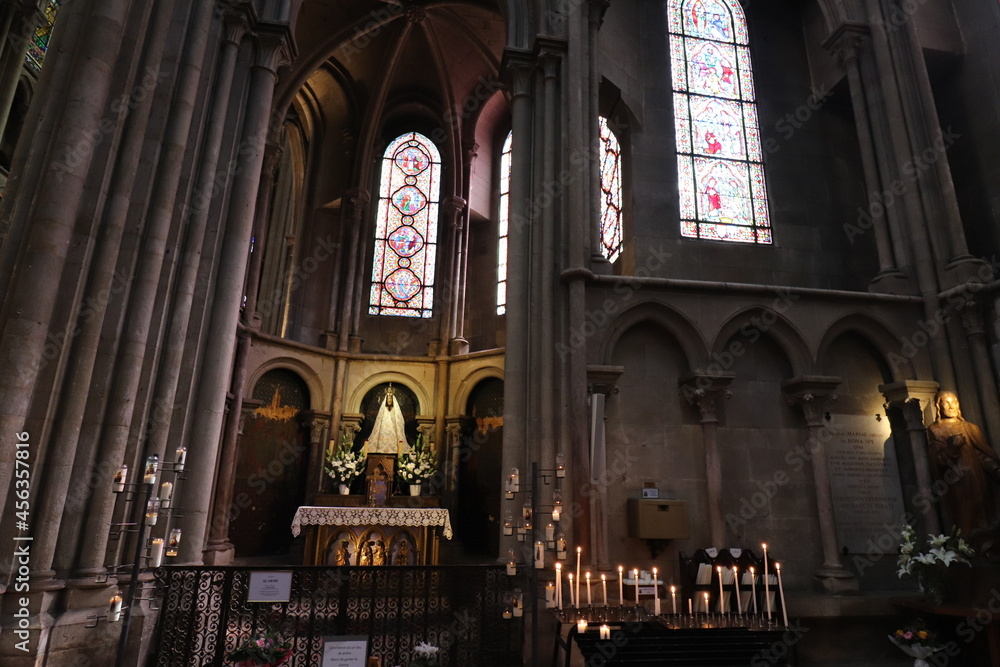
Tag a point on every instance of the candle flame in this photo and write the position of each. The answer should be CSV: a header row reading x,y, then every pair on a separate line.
x,y
777,566
603,578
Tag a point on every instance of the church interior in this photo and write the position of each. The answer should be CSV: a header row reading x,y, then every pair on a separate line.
x,y
471,294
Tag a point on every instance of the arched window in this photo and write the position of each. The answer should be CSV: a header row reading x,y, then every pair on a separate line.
x,y
611,193
40,40
406,228
503,220
719,162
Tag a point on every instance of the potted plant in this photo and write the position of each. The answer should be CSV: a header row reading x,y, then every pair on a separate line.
x,y
916,641
264,649
929,567
425,655
416,466
343,465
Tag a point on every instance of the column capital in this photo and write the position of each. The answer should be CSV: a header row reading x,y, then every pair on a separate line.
x,y
911,397
597,10
315,422
847,40
703,390
814,394
604,379
275,45
237,17
516,71
453,206
971,313
470,153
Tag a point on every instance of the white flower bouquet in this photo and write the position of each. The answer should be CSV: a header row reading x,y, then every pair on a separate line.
x,y
344,465
425,655
417,465
929,567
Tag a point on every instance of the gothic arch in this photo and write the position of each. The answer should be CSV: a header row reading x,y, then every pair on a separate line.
x,y
756,321
879,335
395,377
688,336
318,393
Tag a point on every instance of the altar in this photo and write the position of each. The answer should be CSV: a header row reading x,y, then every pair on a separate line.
x,y
372,535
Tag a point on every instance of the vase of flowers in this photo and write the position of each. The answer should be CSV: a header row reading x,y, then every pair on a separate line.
x,y
264,649
343,465
930,566
416,466
425,655
916,641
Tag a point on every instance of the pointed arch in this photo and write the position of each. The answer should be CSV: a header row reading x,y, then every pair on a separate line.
x,y
879,335
406,228
720,170
611,192
751,324
688,336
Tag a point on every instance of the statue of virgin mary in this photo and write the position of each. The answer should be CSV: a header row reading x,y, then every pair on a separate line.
x,y
388,435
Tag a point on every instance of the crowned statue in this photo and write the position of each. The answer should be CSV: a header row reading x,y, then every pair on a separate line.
x,y
388,435
961,457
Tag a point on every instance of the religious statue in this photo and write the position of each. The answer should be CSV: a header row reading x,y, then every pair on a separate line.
x,y
342,557
367,554
961,457
403,553
388,434
378,553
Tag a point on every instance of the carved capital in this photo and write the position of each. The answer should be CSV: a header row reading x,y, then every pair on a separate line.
x,y
275,46
453,207
471,153
847,41
704,391
517,70
597,10
604,379
813,394
911,397
237,17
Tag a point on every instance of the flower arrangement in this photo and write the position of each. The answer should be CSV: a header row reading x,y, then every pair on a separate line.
x,y
264,648
916,641
929,566
425,655
417,465
343,465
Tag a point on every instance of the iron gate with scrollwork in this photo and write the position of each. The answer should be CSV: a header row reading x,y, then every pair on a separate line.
x,y
204,613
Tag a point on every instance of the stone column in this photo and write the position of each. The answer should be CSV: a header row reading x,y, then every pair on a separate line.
x,y
273,45
519,70
814,396
453,208
459,344
704,391
352,288
602,381
912,397
975,333
317,425
598,261
455,427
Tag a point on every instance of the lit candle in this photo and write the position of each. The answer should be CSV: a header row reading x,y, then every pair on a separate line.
x,y
718,570
767,585
656,586
589,601
579,553
539,555
581,625
508,523
511,563
605,631
119,484
690,610
550,533
621,590
550,595
635,573
115,609
604,588
559,599
736,584
156,553
560,465
515,480
518,604
182,454
781,592
508,493
152,511
174,541
753,588
673,598
166,491
561,547
149,476
507,614
572,598
555,513
706,602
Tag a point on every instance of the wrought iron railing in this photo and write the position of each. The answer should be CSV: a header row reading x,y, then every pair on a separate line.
x,y
204,613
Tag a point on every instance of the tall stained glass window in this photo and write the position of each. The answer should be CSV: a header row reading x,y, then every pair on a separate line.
x,y
720,168
611,193
39,43
406,228
503,222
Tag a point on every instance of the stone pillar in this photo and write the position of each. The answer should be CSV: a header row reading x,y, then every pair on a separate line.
x,y
519,71
975,332
455,428
459,345
814,396
602,381
317,425
704,391
273,44
912,398
359,207
454,214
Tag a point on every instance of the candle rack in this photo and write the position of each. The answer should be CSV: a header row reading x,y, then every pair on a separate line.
x,y
137,498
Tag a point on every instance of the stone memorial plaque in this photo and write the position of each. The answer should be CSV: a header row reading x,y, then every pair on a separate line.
x,y
864,481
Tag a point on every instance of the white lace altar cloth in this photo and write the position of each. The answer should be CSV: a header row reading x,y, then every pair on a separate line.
x,y
371,516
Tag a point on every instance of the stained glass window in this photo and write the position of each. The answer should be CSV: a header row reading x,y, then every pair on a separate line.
x,y
720,167
503,220
611,193
39,42
406,228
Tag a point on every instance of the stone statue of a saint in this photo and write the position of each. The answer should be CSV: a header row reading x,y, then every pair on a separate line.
x,y
342,557
378,553
389,433
366,554
968,465
403,554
